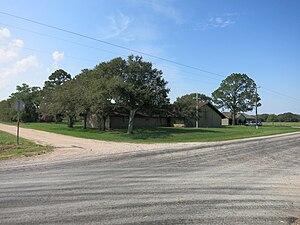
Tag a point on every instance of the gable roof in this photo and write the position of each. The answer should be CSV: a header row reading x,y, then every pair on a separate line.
x,y
247,116
201,104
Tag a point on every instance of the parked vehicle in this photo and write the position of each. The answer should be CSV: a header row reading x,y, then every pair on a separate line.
x,y
259,123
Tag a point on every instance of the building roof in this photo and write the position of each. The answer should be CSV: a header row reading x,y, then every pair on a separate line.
x,y
201,104
227,114
250,117
247,116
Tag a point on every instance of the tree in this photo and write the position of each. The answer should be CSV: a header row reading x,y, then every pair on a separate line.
x,y
236,93
184,106
288,117
143,87
6,111
263,117
83,83
106,80
57,78
272,118
30,96
49,105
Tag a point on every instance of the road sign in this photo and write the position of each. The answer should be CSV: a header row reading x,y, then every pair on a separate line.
x,y
19,105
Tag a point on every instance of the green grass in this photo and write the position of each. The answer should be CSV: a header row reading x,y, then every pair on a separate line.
x,y
9,148
164,135
282,124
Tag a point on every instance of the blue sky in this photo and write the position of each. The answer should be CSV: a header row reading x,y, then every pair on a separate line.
x,y
259,38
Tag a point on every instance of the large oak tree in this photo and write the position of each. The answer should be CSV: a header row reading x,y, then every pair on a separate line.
x,y
143,88
236,93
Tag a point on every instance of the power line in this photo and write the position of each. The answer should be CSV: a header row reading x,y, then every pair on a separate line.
x,y
62,39
96,48
280,94
119,46
111,44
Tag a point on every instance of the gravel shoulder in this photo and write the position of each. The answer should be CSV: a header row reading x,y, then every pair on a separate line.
x,y
253,181
69,148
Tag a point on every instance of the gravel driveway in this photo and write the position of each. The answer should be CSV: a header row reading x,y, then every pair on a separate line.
x,y
254,181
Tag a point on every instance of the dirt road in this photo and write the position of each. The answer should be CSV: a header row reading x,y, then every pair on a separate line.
x,y
67,147
231,183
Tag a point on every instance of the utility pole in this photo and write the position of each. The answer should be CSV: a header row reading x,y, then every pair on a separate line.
x,y
256,116
197,110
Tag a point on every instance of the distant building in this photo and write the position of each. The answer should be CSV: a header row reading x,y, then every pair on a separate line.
x,y
241,118
208,116
120,121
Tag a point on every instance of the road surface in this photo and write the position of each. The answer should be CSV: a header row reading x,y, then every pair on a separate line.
x,y
252,182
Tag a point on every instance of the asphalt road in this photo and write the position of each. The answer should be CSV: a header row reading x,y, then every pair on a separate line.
x,y
254,182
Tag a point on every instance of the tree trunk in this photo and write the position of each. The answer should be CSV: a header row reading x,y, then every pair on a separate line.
x,y
70,122
101,122
57,118
233,117
130,122
84,121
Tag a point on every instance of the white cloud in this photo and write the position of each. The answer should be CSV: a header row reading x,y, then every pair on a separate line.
x,y
57,56
4,33
215,22
118,23
20,66
11,51
166,9
17,43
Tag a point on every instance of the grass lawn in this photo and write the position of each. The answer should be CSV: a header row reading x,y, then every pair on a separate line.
x,y
164,134
282,124
9,148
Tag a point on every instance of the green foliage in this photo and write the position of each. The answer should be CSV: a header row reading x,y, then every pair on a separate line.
x,y
52,104
288,117
6,111
285,117
31,97
143,88
236,93
263,117
272,118
185,107
57,78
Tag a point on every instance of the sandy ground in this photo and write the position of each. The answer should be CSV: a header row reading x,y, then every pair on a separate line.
x,y
248,182
67,147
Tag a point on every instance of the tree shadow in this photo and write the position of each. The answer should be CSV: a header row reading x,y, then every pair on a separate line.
x,y
168,132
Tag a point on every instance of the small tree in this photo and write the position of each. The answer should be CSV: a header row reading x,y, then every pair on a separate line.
x,y
184,106
49,105
236,93
30,96
83,83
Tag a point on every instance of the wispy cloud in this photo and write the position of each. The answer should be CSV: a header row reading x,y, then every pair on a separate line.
x,y
166,9
118,24
9,48
11,51
19,67
11,63
216,22
4,33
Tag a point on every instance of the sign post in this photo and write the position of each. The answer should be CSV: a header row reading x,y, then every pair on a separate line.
x,y
19,105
